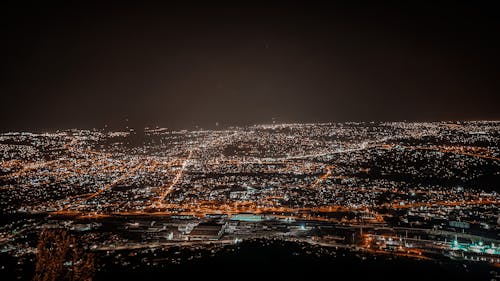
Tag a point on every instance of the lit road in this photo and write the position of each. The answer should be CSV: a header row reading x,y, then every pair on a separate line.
x,y
167,190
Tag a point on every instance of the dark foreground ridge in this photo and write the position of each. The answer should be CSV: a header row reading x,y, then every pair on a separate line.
x,y
272,259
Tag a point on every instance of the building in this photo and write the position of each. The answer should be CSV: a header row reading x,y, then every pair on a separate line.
x,y
207,231
247,217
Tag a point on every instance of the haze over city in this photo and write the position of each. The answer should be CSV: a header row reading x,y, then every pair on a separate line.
x,y
85,64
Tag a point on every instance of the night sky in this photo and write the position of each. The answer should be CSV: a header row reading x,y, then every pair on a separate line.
x,y
73,64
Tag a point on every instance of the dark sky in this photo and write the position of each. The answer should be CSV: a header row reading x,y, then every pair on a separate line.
x,y
86,64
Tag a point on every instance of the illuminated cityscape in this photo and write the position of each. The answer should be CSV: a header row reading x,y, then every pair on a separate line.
x,y
424,191
261,140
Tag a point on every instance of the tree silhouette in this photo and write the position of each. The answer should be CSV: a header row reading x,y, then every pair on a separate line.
x,y
59,257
